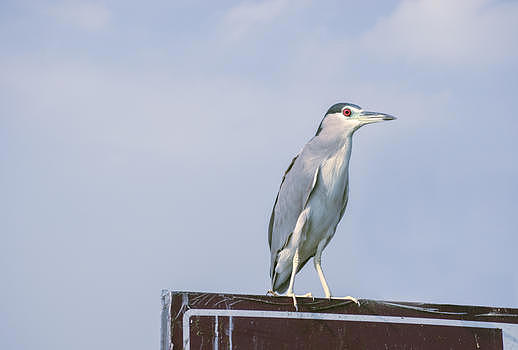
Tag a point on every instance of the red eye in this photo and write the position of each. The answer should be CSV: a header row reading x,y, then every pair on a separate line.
x,y
347,112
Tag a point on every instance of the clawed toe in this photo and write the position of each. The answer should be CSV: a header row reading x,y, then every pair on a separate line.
x,y
272,293
347,298
294,301
307,295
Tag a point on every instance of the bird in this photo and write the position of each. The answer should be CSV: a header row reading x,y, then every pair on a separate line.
x,y
312,198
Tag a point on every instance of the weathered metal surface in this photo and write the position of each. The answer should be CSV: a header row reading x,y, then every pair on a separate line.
x,y
229,321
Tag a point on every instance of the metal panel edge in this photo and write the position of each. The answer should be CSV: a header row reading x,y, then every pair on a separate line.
x,y
165,325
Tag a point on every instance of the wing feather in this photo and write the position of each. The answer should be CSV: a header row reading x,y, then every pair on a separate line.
x,y
294,192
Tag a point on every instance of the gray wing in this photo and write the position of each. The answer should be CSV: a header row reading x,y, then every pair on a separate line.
x,y
272,216
296,187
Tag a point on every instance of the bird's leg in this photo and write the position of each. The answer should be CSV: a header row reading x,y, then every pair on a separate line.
x,y
292,278
318,267
289,292
296,238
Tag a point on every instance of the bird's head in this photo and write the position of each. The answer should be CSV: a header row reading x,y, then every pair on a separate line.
x,y
347,118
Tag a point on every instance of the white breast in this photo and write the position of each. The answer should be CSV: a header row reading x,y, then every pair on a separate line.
x,y
328,197
334,175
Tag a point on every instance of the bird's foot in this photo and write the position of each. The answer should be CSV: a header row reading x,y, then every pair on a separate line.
x,y
346,298
272,293
307,295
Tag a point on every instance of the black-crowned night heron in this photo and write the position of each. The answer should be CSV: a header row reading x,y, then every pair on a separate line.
x,y
313,196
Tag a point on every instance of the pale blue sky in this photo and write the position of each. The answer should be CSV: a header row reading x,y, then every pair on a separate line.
x,y
142,146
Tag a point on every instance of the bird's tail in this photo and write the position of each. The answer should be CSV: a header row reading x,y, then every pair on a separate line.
x,y
281,280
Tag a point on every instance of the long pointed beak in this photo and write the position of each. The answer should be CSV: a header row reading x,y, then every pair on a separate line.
x,y
373,117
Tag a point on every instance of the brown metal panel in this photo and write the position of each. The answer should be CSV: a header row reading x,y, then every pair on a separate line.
x,y
265,333
330,324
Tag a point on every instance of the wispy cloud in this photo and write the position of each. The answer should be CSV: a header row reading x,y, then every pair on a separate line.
x,y
90,16
439,31
243,18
